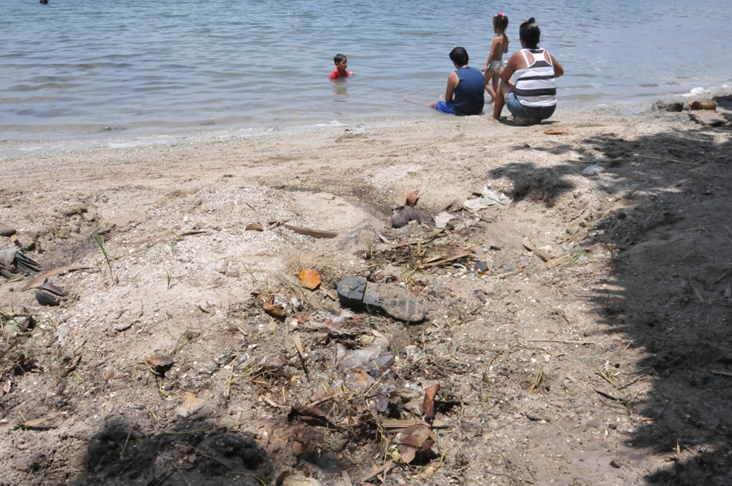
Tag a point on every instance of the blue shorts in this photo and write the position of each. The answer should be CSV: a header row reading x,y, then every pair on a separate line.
x,y
446,107
536,112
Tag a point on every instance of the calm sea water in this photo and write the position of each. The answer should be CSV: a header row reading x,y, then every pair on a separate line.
x,y
78,68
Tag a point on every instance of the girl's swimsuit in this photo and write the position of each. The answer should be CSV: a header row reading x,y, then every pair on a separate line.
x,y
497,64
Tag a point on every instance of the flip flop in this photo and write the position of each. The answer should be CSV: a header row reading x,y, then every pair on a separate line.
x,y
44,298
13,261
403,215
54,289
393,300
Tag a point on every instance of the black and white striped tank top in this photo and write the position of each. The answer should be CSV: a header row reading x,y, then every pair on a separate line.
x,y
535,84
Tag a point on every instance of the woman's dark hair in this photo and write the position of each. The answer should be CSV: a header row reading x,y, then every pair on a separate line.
x,y
459,56
529,33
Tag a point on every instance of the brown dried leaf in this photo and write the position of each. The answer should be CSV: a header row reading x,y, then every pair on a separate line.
x,y
417,436
32,424
310,415
73,363
273,309
310,279
555,132
412,198
413,440
428,406
254,227
407,453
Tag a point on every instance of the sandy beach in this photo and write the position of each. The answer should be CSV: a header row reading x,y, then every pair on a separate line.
x,y
594,348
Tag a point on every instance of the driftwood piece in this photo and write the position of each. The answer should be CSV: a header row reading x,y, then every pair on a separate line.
x,y
541,254
68,268
310,232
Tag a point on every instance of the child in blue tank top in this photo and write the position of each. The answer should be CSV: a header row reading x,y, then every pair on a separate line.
x,y
465,88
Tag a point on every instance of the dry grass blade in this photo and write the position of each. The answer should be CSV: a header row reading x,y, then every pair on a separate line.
x,y
539,377
607,377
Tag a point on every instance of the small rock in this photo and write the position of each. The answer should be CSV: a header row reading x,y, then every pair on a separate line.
x,y
593,170
120,326
338,442
708,118
675,106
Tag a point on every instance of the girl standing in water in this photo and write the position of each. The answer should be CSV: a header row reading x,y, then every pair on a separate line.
x,y
495,58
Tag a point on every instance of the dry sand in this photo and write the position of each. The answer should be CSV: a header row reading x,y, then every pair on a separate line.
x,y
610,363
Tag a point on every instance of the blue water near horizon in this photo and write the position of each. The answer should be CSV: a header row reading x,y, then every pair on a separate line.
x,y
78,68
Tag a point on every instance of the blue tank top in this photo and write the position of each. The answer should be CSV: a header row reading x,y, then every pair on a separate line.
x,y
468,95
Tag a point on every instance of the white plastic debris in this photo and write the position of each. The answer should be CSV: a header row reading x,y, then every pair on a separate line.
x,y
488,198
593,170
442,219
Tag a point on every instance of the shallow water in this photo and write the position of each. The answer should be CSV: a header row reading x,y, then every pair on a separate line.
x,y
77,68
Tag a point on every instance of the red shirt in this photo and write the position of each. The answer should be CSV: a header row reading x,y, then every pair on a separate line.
x,y
337,74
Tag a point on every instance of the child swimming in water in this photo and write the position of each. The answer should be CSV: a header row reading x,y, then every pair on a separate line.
x,y
495,58
340,71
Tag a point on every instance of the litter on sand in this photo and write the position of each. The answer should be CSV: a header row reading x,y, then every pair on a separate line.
x,y
593,170
488,198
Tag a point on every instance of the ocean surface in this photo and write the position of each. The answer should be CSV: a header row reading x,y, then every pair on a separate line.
x,y
95,68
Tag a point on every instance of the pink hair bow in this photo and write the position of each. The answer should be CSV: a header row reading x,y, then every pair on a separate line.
x,y
499,14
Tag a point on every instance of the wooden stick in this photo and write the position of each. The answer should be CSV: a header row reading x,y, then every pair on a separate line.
x,y
407,98
721,373
69,268
310,232
541,254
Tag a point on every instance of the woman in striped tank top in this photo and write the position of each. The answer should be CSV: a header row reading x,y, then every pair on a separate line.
x,y
533,97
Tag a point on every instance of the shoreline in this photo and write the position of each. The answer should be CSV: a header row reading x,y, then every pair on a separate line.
x,y
121,136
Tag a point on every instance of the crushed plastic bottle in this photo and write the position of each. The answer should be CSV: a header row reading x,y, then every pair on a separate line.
x,y
375,357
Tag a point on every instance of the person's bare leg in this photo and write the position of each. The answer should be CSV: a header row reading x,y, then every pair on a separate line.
x,y
501,93
487,77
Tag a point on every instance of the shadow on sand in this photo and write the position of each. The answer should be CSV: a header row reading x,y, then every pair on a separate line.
x,y
670,283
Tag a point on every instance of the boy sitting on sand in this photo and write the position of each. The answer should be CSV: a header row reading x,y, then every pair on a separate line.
x,y
465,87
341,62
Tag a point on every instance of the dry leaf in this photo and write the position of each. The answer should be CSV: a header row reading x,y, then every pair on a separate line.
x,y
556,132
310,279
429,402
415,439
412,198
254,227
298,344
311,415
274,309
31,424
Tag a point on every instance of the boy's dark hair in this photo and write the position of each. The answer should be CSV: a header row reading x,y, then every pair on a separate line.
x,y
338,58
459,56
529,33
